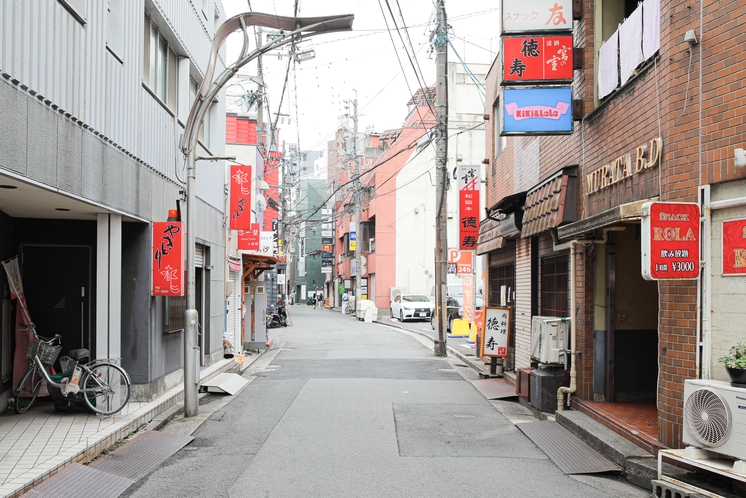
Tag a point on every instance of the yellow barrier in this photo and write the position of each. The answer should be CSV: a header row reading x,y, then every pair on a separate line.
x,y
460,328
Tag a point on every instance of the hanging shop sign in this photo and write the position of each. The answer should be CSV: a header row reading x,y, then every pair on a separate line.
x,y
536,111
734,247
537,59
624,167
248,240
168,258
468,188
326,248
495,331
267,245
326,265
240,198
670,241
520,16
459,262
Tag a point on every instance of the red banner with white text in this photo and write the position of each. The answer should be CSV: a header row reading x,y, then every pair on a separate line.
x,y
248,240
168,258
468,193
240,205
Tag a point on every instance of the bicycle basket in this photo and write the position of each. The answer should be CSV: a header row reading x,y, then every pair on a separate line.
x,y
47,353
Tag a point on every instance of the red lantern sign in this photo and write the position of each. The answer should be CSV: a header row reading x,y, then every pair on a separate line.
x,y
670,241
734,247
248,240
537,59
240,205
168,258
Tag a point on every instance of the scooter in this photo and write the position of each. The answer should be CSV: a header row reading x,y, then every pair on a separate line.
x,y
277,318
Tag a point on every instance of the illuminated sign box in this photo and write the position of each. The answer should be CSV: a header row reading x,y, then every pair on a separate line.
x,y
536,111
537,59
670,241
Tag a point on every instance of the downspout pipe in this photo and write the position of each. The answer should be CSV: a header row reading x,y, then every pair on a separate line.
x,y
572,245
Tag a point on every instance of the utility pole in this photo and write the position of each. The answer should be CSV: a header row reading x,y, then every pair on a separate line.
x,y
441,172
260,116
357,200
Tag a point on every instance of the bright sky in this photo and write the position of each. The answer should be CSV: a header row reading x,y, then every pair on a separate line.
x,y
364,61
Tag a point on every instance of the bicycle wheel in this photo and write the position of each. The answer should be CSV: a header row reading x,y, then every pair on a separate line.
x,y
26,392
106,388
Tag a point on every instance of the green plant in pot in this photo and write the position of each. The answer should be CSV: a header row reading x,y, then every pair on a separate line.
x,y
735,364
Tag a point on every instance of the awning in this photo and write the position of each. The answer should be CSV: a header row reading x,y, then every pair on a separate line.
x,y
625,212
551,203
234,264
489,236
255,264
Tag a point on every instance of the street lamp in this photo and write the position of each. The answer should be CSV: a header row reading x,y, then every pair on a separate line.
x,y
292,29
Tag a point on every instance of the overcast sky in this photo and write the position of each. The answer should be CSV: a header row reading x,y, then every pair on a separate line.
x,y
364,60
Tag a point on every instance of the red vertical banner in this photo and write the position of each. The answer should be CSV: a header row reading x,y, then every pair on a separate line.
x,y
168,258
468,193
734,247
240,205
248,240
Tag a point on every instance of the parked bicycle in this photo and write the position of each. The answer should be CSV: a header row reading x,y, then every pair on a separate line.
x,y
102,385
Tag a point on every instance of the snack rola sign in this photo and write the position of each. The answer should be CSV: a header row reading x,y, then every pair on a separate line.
x,y
670,241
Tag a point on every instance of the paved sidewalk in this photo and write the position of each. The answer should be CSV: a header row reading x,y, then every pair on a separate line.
x,y
42,441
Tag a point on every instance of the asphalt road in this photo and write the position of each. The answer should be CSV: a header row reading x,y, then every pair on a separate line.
x,y
340,407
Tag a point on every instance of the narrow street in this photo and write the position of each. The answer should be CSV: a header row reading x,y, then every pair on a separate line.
x,y
340,407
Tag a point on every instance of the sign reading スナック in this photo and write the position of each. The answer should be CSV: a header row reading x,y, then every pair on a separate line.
x,y
468,212
670,241
537,59
168,258
495,331
734,247
240,205
521,16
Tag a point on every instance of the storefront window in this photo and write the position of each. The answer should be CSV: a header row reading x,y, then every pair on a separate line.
x,y
554,284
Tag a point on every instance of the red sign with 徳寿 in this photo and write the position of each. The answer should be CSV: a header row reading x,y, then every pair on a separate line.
x,y
248,240
670,241
468,194
734,247
240,202
537,59
168,258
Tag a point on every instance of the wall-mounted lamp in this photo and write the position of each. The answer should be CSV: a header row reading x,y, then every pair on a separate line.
x,y
740,158
690,37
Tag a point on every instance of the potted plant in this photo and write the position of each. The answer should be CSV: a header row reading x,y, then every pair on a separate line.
x,y
735,364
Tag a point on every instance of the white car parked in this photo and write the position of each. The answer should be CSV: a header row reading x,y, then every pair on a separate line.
x,y
411,307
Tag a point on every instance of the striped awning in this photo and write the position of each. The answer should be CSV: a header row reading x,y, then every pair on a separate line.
x,y
550,204
489,236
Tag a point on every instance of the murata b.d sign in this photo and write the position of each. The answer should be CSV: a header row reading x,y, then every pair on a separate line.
x,y
670,241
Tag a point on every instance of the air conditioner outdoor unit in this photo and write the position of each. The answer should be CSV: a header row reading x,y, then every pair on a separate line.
x,y
395,291
549,337
715,417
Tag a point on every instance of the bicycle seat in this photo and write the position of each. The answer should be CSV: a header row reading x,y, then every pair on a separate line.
x,y
79,354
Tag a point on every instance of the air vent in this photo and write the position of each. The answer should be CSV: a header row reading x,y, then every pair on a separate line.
x,y
707,417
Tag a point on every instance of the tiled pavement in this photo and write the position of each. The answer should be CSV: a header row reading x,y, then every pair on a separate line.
x,y
41,441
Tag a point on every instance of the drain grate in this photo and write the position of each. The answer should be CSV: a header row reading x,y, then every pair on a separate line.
x,y
495,388
565,449
142,455
80,480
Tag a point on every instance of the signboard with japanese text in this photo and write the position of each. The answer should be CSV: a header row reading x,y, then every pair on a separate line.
x,y
734,247
326,248
670,241
495,331
267,245
468,282
326,265
537,59
522,16
537,111
168,258
248,240
468,191
459,262
240,198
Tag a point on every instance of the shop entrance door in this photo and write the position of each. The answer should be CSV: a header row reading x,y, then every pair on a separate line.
x,y
57,284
